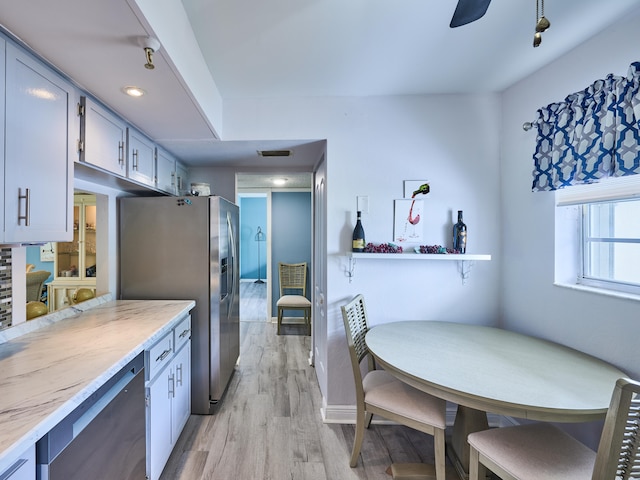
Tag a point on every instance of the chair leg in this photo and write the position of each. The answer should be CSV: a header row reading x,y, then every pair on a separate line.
x,y
280,313
357,442
307,319
367,419
439,452
476,469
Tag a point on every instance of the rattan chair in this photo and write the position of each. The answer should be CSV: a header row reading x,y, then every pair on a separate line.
x,y
293,290
542,451
380,393
35,282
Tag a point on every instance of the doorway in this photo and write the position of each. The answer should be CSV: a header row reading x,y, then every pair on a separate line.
x,y
253,256
275,226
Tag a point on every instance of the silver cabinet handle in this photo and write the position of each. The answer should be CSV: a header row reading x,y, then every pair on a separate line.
x,y
184,333
163,355
121,153
27,211
179,379
172,386
135,159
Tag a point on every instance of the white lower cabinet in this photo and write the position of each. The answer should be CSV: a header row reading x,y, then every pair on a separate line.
x,y
168,395
24,468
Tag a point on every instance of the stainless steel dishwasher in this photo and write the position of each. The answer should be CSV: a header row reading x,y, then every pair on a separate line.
x,y
104,438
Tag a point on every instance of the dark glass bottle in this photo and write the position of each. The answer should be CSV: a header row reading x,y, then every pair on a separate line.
x,y
358,237
460,235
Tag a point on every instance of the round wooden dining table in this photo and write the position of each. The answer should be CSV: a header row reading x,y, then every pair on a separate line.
x,y
484,369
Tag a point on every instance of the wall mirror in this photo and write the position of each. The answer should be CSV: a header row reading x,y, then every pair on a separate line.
x,y
72,266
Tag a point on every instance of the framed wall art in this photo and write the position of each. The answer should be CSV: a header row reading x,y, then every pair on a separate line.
x,y
408,224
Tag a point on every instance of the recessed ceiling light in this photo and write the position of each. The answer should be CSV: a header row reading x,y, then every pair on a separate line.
x,y
133,91
279,181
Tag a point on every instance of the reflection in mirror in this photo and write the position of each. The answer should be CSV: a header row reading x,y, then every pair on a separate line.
x,y
71,265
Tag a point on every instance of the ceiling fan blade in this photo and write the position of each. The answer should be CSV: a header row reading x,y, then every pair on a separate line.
x,y
468,11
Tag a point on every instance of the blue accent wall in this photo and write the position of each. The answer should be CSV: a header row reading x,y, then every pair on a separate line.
x,y
253,214
291,217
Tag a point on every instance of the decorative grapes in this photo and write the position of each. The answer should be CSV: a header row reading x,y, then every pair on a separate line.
x,y
382,248
436,249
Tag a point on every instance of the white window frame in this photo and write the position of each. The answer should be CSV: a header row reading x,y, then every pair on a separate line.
x,y
570,240
586,277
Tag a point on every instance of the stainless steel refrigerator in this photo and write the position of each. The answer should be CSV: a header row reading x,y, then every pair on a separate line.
x,y
187,248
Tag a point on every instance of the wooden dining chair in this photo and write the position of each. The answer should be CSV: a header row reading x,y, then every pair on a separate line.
x,y
380,393
35,284
293,290
542,451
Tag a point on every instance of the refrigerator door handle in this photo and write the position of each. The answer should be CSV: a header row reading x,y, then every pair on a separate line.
x,y
232,244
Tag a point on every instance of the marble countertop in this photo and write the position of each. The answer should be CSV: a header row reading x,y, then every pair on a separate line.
x,y
45,374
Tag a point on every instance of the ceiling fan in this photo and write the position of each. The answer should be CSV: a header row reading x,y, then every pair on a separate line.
x,y
468,11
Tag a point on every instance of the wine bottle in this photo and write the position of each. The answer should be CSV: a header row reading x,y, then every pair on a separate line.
x,y
460,235
358,236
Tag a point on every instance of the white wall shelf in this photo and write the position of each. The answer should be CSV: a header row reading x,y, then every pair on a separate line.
x,y
465,261
421,256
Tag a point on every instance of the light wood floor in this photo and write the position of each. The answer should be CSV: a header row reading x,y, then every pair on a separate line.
x,y
268,425
253,301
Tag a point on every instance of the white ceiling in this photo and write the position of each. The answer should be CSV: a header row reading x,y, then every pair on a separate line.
x,y
383,47
300,48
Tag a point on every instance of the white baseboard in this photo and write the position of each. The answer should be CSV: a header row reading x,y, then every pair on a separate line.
x,y
346,414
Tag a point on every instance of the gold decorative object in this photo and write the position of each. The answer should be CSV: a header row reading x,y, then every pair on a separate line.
x,y
542,23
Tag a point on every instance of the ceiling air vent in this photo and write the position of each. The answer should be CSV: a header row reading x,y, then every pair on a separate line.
x,y
275,153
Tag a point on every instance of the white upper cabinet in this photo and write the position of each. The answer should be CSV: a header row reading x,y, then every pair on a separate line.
x,y
103,137
182,179
166,172
41,131
140,158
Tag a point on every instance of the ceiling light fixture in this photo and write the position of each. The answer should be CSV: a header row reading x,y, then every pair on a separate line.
x,y
279,181
133,91
275,153
150,46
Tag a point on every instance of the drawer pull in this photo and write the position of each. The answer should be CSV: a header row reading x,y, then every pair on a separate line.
x,y
163,355
184,333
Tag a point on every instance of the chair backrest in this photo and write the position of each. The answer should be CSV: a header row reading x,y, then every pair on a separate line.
x,y
619,450
293,276
35,281
354,315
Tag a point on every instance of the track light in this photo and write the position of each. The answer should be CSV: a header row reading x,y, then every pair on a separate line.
x,y
150,46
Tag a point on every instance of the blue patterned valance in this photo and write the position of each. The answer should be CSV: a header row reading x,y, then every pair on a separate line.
x,y
593,134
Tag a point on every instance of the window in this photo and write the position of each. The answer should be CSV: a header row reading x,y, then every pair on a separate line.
x,y
610,245
598,236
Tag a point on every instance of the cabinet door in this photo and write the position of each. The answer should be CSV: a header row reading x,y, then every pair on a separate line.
x,y
22,469
140,158
166,168
40,140
159,441
182,399
3,52
182,179
103,138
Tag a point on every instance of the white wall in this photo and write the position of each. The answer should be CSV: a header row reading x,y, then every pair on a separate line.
x,y
373,144
604,326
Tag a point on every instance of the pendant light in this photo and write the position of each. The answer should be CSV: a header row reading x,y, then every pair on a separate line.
x,y
541,23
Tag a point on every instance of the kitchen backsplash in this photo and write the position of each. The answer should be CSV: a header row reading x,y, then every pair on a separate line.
x,y
5,288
